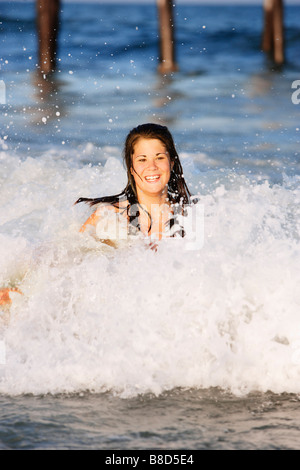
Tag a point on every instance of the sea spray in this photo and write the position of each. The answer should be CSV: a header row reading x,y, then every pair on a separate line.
x,y
133,320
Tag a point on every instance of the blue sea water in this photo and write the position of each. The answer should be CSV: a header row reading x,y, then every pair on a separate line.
x,y
136,350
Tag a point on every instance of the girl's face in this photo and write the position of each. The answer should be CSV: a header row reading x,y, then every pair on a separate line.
x,y
151,167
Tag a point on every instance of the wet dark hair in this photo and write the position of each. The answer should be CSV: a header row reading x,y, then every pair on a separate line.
x,y
178,192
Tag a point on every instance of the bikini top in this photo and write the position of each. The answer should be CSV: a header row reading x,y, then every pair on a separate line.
x,y
121,226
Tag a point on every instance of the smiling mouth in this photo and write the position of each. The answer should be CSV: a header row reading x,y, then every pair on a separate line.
x,y
152,178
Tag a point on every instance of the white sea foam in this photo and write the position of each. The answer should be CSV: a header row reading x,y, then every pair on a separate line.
x,y
133,320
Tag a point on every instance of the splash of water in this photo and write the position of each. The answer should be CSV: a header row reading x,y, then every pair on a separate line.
x,y
133,320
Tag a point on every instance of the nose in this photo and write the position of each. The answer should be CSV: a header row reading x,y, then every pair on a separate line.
x,y
152,164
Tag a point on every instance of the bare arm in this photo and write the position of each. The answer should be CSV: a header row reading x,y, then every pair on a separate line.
x,y
4,295
92,220
102,211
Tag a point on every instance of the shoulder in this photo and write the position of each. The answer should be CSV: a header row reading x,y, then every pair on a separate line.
x,y
112,222
105,211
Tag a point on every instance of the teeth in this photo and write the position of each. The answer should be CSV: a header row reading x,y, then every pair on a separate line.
x,y
151,178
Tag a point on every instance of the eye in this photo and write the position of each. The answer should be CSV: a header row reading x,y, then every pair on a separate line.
x,y
161,156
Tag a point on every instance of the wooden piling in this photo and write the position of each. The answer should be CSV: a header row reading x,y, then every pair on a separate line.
x,y
273,35
47,27
167,62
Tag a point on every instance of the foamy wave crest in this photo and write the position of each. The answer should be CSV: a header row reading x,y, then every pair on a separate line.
x,y
134,320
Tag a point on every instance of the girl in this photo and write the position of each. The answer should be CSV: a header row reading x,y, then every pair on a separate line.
x,y
154,197
155,194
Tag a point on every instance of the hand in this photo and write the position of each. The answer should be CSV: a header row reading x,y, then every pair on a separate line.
x,y
4,295
153,246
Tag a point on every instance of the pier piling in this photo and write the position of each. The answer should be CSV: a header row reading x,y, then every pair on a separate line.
x,y
48,25
273,35
47,28
167,62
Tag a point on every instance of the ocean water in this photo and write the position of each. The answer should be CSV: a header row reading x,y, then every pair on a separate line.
x,y
130,348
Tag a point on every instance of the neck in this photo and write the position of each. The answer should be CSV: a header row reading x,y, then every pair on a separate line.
x,y
149,202
159,209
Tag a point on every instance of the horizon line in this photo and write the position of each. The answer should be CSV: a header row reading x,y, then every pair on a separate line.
x,y
180,2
